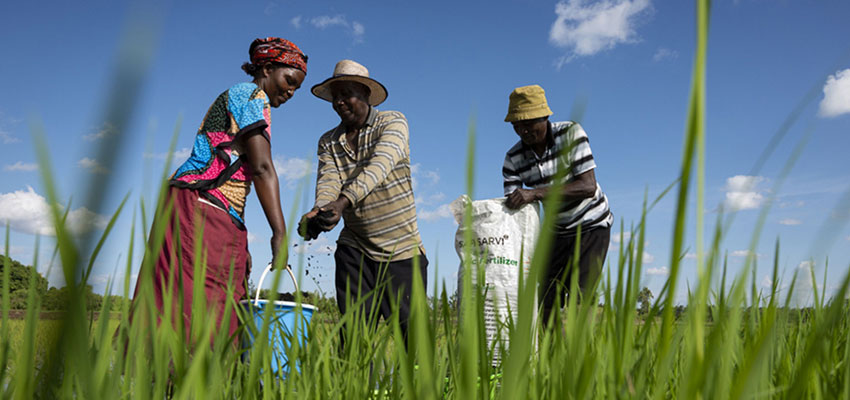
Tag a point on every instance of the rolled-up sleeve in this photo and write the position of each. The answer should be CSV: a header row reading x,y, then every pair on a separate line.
x,y
392,147
328,181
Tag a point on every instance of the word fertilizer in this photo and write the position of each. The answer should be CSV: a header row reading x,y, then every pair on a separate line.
x,y
502,243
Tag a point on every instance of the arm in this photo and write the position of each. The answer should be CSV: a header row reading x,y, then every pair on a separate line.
x,y
391,148
258,155
582,187
328,185
511,179
579,160
328,180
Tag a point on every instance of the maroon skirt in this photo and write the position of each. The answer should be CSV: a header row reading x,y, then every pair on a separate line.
x,y
224,257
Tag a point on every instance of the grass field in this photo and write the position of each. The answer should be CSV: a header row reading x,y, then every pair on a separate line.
x,y
720,347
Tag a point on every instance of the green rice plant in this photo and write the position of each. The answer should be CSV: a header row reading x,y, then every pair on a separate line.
x,y
732,341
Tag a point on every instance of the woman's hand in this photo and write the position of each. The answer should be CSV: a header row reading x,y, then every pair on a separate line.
x,y
280,255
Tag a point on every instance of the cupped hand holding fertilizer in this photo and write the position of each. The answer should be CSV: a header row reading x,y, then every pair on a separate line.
x,y
322,219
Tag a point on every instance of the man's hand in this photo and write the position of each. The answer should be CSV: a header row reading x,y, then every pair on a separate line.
x,y
331,213
279,254
307,227
521,197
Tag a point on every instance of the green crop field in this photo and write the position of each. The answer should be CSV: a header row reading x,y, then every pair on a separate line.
x,y
731,341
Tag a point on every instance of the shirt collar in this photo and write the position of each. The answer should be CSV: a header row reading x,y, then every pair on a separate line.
x,y
373,115
550,140
370,121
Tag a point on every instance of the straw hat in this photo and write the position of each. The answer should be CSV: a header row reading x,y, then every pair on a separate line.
x,y
527,102
347,70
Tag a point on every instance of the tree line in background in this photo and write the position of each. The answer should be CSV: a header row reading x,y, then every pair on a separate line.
x,y
52,299
55,299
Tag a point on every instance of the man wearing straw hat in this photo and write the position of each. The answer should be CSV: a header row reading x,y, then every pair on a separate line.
x,y
364,178
583,213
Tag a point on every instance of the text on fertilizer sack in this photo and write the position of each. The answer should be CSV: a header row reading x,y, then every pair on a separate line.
x,y
488,241
494,260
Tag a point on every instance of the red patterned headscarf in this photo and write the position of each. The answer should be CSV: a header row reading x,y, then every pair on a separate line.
x,y
273,49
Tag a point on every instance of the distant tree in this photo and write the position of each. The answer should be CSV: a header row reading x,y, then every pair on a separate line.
x,y
19,281
117,303
644,300
454,301
678,311
51,299
58,299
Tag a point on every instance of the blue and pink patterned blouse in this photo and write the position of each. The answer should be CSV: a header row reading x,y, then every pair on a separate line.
x,y
216,168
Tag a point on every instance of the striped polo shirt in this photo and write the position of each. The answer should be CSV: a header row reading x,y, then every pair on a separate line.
x,y
524,167
375,177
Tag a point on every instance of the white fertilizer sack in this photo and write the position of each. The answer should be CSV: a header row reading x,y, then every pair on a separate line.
x,y
504,242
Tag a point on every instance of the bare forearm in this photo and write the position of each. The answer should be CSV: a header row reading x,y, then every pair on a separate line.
x,y
575,190
268,191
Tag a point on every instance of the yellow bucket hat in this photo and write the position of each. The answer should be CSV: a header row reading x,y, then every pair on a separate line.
x,y
527,102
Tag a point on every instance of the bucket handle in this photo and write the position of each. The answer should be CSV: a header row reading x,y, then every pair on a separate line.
x,y
263,277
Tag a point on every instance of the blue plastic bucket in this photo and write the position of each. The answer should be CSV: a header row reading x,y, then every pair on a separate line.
x,y
288,321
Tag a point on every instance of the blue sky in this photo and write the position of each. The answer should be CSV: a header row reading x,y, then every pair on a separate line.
x,y
446,64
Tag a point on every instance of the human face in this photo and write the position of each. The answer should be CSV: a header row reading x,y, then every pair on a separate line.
x,y
280,83
532,132
349,102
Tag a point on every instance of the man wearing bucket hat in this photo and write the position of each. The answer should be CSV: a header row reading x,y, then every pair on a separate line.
x,y
583,212
364,178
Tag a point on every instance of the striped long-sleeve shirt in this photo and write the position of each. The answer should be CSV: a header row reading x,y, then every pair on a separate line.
x,y
524,166
375,178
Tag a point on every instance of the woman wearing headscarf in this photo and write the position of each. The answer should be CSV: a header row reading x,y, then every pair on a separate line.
x,y
208,191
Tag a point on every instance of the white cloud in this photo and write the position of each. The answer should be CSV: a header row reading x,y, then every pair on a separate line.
x,y
648,258
432,199
790,221
320,245
21,166
178,155
252,237
28,212
767,282
804,287
692,256
440,212
615,238
292,169
585,29
744,253
326,21
836,95
358,30
657,271
92,165
433,176
419,175
742,192
665,54
99,280
103,132
296,22
7,137
615,241
792,204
